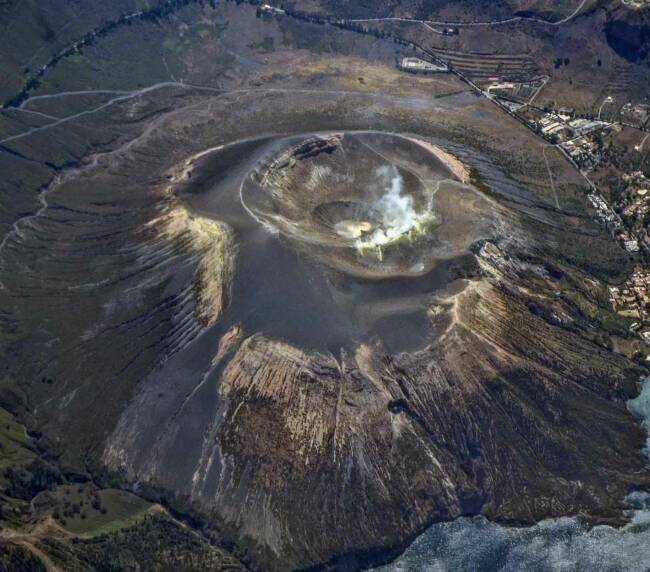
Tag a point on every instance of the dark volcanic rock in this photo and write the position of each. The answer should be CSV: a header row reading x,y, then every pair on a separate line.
x,y
504,415
303,455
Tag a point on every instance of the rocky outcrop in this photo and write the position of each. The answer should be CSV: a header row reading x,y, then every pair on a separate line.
x,y
336,458
307,149
313,459
211,242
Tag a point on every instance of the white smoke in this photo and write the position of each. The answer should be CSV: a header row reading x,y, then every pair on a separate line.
x,y
398,215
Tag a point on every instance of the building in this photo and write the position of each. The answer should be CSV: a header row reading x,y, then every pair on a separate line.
x,y
268,9
419,65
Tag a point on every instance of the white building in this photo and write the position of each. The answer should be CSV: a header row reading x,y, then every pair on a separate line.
x,y
416,64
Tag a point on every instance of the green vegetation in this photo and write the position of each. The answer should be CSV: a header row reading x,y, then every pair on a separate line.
x,y
609,321
23,474
158,543
16,447
16,558
84,510
27,481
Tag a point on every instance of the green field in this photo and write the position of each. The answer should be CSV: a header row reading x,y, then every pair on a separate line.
x,y
86,511
16,447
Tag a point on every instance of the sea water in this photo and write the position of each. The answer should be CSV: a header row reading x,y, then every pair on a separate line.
x,y
561,544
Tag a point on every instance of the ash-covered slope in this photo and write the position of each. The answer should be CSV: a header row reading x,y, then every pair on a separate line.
x,y
505,415
509,409
312,381
250,416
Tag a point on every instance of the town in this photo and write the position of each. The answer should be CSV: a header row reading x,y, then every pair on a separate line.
x,y
632,299
579,137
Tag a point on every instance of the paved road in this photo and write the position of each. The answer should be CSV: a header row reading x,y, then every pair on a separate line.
x,y
603,104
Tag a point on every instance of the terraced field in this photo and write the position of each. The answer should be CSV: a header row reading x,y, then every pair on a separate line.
x,y
486,67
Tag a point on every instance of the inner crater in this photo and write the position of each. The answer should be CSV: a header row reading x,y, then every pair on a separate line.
x,y
367,204
343,239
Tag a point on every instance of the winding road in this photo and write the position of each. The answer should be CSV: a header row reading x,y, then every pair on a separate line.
x,y
476,24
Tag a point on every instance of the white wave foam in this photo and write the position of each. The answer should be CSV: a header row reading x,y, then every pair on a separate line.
x,y
554,545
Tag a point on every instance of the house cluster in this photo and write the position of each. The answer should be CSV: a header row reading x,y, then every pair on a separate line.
x,y
632,299
576,135
637,204
637,180
581,127
634,204
579,138
636,114
608,218
554,124
584,151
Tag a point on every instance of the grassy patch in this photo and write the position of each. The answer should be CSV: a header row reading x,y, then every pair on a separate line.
x,y
16,448
609,321
84,510
155,543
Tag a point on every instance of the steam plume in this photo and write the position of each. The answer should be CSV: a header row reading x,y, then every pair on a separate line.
x,y
398,215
